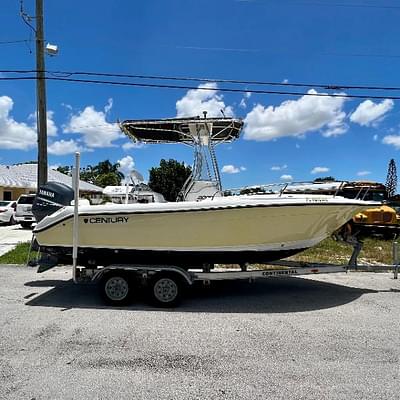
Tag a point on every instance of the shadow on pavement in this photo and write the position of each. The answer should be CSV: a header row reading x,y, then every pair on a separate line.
x,y
274,295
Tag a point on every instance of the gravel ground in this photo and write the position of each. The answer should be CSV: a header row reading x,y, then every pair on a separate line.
x,y
328,337
10,236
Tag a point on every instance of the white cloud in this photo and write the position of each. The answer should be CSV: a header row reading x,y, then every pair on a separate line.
x,y
296,118
363,173
198,100
286,178
132,145
67,106
55,166
318,170
13,134
243,103
278,167
393,140
243,168
108,106
92,124
62,147
51,126
369,112
126,165
230,169
375,137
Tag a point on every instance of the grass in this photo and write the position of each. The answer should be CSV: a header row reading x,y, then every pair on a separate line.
x,y
19,255
375,251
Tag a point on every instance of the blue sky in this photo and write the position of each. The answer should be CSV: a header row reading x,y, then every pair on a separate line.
x,y
309,41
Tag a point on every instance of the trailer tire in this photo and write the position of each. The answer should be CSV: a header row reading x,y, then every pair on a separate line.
x,y
117,288
166,289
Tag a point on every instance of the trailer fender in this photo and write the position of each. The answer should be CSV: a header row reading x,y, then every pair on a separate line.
x,y
144,270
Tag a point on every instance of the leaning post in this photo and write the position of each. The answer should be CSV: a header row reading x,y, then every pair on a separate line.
x,y
395,259
75,226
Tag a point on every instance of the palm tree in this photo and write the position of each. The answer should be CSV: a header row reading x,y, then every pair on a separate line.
x,y
107,168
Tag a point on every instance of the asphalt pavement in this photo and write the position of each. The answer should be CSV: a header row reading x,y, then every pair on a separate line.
x,y
327,337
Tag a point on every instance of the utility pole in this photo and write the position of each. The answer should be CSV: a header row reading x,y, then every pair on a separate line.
x,y
41,97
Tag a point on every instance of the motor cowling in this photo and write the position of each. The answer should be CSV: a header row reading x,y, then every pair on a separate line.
x,y
51,197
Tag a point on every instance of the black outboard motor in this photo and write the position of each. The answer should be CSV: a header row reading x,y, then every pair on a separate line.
x,y
51,197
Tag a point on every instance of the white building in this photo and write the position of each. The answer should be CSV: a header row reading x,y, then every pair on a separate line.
x,y
22,178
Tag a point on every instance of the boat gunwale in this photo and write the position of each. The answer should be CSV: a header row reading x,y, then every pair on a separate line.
x,y
355,204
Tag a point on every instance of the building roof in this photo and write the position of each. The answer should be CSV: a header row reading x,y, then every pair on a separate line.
x,y
25,176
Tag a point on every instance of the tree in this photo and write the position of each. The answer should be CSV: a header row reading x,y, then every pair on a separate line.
x,y
325,179
66,170
169,178
108,179
105,167
391,179
103,174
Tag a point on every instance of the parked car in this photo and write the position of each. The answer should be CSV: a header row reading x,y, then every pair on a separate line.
x,y
7,212
23,212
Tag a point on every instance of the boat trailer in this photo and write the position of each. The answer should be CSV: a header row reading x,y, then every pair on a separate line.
x,y
166,285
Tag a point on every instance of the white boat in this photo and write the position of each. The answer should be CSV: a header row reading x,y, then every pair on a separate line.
x,y
130,194
223,230
209,228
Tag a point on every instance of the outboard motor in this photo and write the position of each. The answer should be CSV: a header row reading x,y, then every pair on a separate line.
x,y
51,197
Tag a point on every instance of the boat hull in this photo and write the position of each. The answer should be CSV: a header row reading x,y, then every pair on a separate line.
x,y
227,234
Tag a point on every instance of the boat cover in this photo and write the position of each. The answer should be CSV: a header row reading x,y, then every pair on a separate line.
x,y
176,130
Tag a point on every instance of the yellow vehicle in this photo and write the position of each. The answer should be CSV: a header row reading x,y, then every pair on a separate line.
x,y
378,220
382,219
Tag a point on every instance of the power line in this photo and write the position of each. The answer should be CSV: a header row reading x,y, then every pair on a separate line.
x,y
26,17
232,81
283,52
229,90
327,4
67,74
17,78
350,5
16,41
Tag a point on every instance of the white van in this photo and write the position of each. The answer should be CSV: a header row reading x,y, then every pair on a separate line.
x,y
23,212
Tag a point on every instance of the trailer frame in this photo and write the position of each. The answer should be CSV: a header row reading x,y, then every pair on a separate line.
x,y
166,284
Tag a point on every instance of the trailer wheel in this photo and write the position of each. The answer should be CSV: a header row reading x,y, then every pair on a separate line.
x,y
116,288
166,290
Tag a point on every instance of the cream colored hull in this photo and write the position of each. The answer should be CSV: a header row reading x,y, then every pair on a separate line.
x,y
250,228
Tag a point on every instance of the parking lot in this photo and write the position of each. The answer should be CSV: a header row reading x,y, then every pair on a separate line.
x,y
327,337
